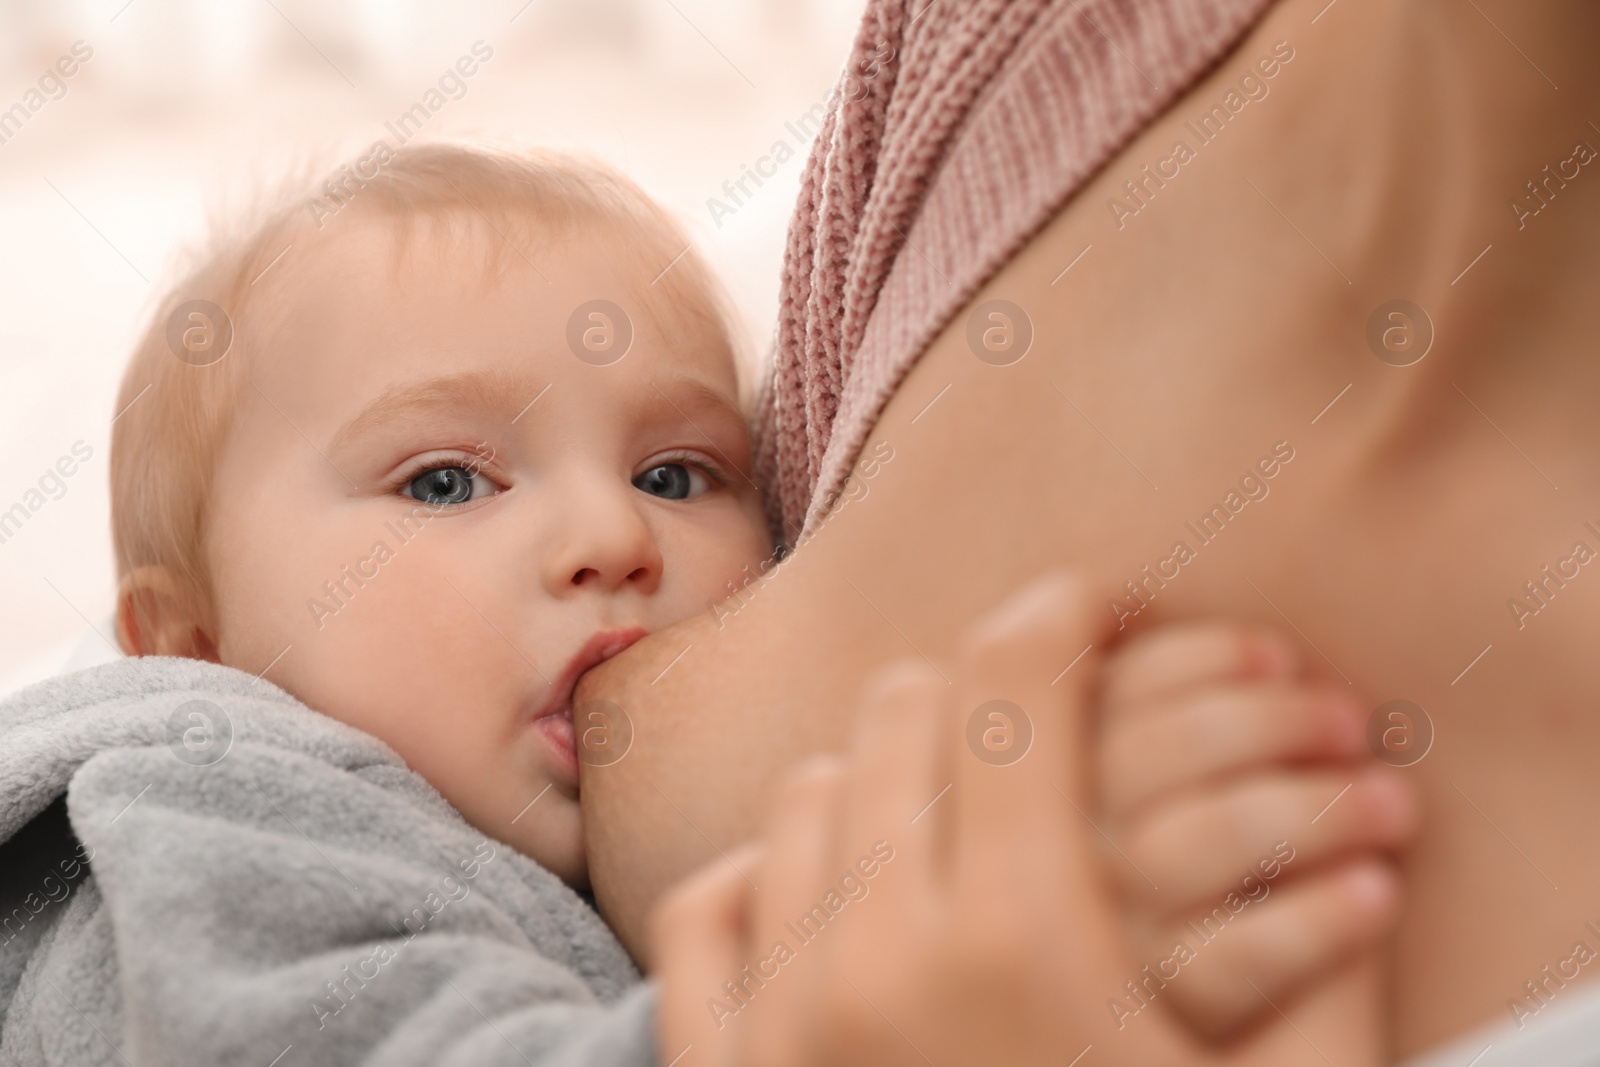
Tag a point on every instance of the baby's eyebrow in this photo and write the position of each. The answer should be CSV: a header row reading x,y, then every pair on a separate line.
x,y
483,390
702,404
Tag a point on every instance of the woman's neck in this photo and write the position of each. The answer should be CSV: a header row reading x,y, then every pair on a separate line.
x,y
1457,165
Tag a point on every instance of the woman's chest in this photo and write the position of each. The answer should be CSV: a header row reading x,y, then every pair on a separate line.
x,y
1257,393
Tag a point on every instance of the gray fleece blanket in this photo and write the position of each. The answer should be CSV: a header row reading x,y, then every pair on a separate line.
x,y
195,868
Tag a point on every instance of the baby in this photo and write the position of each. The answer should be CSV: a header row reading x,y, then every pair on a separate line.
x,y
476,433
419,464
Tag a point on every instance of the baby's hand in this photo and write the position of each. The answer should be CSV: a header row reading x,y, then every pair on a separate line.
x,y
1249,822
922,902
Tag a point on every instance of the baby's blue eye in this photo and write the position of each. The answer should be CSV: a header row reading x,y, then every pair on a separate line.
x,y
674,481
448,485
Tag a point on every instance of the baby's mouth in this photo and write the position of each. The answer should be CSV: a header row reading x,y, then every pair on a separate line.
x,y
555,721
555,725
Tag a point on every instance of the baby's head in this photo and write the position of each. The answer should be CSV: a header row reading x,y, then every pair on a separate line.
x,y
477,426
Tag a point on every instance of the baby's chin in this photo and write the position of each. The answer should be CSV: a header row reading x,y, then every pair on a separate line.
x,y
550,832
506,793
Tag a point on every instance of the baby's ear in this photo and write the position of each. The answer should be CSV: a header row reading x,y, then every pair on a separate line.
x,y
156,616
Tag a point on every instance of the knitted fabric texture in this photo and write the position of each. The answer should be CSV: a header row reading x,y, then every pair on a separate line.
x,y
964,126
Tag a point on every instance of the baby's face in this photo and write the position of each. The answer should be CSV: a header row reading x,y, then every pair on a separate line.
x,y
437,513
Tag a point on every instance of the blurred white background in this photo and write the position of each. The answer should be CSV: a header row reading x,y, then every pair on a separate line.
x,y
185,105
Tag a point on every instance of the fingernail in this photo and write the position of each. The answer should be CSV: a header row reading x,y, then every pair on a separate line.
x,y
1392,800
1351,729
1270,656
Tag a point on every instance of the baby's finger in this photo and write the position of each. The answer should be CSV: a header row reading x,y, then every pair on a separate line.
x,y
1223,969
1197,851
1339,1019
1223,729
1172,658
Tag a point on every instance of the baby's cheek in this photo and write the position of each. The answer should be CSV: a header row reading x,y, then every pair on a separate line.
x,y
408,660
283,592
727,568
378,652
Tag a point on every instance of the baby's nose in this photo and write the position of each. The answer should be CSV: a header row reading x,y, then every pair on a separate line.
x,y
605,544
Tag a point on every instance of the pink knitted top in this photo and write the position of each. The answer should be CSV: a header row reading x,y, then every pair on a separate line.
x,y
960,127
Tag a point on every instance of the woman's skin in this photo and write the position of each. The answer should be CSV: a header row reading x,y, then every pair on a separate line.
x,y
1229,314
